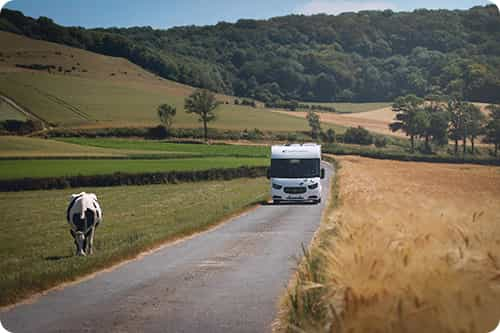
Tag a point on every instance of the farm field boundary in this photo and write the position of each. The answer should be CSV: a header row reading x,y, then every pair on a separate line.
x,y
122,179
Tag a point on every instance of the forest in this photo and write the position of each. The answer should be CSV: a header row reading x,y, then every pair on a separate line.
x,y
351,57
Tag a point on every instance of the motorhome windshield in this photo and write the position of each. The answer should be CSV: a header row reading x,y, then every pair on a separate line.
x,y
295,168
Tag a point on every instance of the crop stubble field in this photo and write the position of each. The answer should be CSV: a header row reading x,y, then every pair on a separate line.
x,y
412,247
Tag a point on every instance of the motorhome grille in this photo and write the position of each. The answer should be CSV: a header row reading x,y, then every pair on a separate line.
x,y
295,190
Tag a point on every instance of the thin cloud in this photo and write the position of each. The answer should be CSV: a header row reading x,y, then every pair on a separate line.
x,y
336,7
3,3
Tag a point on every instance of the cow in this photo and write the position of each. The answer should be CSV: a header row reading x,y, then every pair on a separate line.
x,y
84,216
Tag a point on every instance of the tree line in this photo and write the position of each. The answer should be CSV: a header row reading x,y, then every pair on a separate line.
x,y
352,57
436,121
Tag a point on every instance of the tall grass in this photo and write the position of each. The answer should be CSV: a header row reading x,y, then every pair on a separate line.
x,y
377,265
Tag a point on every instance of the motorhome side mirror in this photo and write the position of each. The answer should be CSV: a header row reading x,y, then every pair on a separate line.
x,y
322,173
268,173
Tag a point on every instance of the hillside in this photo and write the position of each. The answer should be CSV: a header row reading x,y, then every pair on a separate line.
x,y
72,87
365,56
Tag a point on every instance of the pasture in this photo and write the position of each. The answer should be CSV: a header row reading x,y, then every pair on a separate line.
x,y
173,148
37,251
410,247
40,168
92,90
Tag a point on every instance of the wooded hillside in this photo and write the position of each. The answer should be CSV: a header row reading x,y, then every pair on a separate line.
x,y
365,56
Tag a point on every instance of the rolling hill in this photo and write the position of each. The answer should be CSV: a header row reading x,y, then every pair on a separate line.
x,y
76,88
370,56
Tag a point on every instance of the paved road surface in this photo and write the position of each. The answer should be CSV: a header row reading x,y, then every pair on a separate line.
x,y
225,280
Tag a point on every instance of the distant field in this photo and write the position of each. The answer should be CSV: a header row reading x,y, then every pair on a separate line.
x,y
412,247
353,107
184,148
14,169
94,91
376,121
18,146
37,252
7,112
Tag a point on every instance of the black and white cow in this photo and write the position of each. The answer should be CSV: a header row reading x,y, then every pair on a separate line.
x,y
84,215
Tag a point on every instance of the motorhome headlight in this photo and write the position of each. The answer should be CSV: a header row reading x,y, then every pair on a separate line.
x,y
277,187
313,186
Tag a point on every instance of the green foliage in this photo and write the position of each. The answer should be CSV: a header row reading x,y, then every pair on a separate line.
x,y
20,127
203,103
365,56
314,124
127,179
358,135
409,117
493,127
166,113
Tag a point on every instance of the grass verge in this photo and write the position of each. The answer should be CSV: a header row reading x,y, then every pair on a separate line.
x,y
36,250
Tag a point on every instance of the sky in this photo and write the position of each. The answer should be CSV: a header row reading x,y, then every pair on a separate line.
x,y
164,14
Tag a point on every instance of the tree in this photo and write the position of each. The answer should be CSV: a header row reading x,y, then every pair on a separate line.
x,y
475,124
406,118
330,135
493,127
203,103
457,130
358,135
166,113
314,124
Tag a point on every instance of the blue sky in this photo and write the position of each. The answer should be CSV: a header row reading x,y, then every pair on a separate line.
x,y
168,13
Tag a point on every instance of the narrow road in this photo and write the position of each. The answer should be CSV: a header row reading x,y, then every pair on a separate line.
x,y
225,280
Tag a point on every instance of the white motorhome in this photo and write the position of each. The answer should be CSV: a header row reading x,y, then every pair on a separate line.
x,y
296,173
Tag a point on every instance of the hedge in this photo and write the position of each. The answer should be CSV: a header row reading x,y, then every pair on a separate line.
x,y
411,158
122,179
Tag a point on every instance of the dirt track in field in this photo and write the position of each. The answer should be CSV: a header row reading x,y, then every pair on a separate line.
x,y
376,121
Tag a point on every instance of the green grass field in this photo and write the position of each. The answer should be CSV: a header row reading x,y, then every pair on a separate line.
x,y
15,169
188,149
36,249
353,107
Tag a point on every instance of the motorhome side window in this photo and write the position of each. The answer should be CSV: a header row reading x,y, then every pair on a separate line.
x,y
295,168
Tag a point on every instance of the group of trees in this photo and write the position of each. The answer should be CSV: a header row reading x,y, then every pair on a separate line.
x,y
365,56
436,121
201,102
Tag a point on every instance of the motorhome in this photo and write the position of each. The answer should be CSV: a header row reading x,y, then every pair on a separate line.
x,y
296,173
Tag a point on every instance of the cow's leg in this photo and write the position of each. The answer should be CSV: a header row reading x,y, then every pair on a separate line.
x,y
80,243
90,241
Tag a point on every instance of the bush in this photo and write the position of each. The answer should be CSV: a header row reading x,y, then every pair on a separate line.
x,y
19,127
358,135
159,132
381,142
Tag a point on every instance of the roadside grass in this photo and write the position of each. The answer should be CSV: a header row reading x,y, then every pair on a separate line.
x,y
185,148
412,247
353,107
17,169
37,252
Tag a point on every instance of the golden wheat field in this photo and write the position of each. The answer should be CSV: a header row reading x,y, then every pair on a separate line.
x,y
411,247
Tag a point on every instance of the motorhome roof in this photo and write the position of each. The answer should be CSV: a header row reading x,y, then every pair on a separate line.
x,y
305,151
